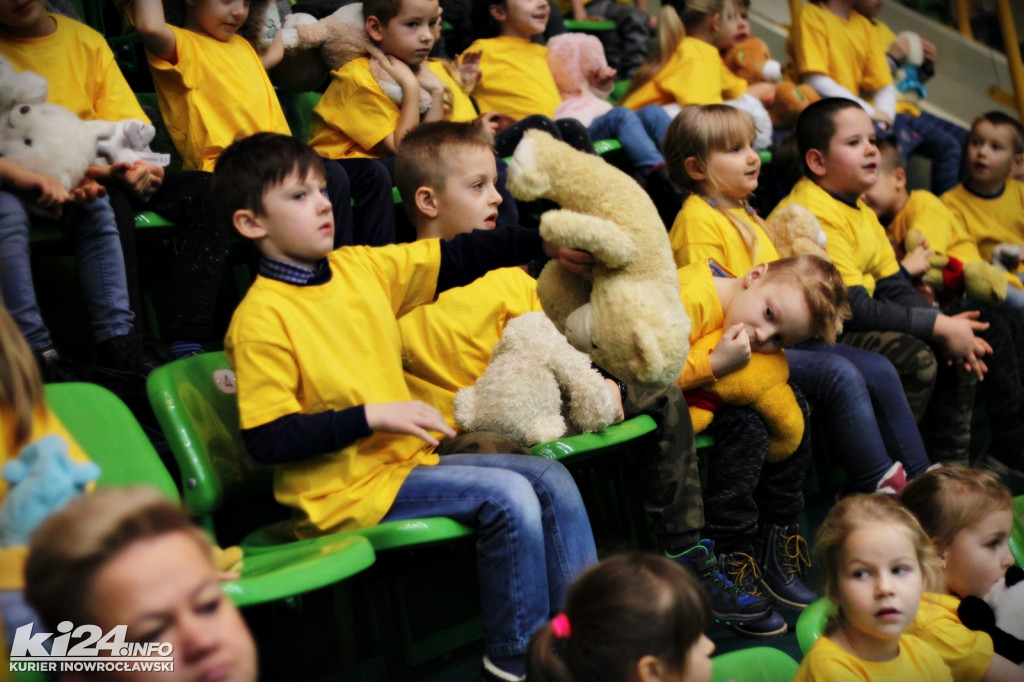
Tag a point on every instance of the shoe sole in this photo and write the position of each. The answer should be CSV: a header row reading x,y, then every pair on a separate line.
x,y
783,602
760,635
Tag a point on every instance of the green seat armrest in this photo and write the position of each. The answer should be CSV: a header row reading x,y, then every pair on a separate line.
x,y
811,623
1016,539
588,26
144,219
383,536
756,664
595,443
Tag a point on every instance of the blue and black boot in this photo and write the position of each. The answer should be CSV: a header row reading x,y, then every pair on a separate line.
x,y
738,605
784,560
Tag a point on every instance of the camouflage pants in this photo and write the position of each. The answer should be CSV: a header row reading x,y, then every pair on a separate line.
x,y
941,396
743,489
665,463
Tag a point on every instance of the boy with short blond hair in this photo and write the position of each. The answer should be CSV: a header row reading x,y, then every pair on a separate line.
x,y
990,202
354,118
836,140
316,348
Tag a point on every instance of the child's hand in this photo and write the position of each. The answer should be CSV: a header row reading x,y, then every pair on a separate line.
x,y
602,79
613,388
140,178
916,261
46,190
491,121
469,68
429,80
88,190
572,260
956,335
411,416
928,48
900,48
401,72
732,352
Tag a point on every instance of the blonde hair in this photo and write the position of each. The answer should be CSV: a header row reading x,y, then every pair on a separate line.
x,y
70,547
823,290
953,498
698,132
672,28
21,386
854,512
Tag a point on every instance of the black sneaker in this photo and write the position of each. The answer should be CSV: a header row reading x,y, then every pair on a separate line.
x,y
492,673
743,610
122,365
742,570
55,369
784,559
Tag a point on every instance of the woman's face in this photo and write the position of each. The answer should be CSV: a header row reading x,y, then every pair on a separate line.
x,y
166,590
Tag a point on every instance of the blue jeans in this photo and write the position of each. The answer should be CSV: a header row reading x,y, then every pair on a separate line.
x,y
636,130
867,417
1014,300
934,138
100,264
533,534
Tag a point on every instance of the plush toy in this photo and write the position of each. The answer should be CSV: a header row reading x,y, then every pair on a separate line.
x,y
909,76
572,58
981,282
751,61
48,138
1000,614
626,314
761,385
129,143
339,38
23,87
520,394
795,230
41,480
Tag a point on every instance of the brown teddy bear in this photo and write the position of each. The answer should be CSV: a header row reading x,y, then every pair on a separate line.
x,y
751,61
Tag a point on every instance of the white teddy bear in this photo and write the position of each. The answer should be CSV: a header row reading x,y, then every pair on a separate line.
x,y
520,394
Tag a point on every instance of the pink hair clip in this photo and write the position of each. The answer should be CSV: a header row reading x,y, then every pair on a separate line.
x,y
560,627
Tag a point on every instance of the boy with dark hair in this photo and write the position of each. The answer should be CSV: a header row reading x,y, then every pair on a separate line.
x,y
354,118
836,140
321,394
990,202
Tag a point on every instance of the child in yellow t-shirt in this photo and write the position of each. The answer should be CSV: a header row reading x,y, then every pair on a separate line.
x,y
876,565
918,132
213,88
836,140
515,80
968,514
990,202
834,49
685,66
322,395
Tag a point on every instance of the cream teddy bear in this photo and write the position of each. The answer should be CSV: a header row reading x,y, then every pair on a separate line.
x,y
520,394
795,230
626,313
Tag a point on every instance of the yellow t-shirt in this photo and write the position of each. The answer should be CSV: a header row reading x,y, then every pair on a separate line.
x,y
353,116
214,93
846,51
514,78
80,69
967,653
700,298
828,662
447,345
463,110
694,74
884,37
857,243
990,221
303,350
701,232
44,423
942,228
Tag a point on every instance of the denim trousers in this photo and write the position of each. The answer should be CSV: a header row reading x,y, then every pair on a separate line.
x,y
533,534
867,418
636,130
100,265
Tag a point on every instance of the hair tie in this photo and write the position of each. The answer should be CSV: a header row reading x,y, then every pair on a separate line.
x,y
560,627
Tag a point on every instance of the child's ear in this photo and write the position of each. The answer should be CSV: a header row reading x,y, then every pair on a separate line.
x,y
426,202
375,28
715,24
694,169
498,12
650,669
815,160
1018,165
756,273
901,178
247,224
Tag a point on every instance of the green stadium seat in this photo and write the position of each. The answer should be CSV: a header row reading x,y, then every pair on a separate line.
x,y
811,623
1017,532
756,664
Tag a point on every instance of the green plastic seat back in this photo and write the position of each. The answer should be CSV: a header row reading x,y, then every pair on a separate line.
x,y
108,432
1017,532
298,111
811,623
195,402
756,664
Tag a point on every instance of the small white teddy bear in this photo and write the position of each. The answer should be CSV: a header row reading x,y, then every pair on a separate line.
x,y
520,394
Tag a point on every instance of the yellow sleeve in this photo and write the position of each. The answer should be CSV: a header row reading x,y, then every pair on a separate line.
x,y
697,370
732,85
876,74
409,271
263,356
968,653
115,100
355,106
697,235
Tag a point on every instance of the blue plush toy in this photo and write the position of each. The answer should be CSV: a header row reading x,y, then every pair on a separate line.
x,y
41,480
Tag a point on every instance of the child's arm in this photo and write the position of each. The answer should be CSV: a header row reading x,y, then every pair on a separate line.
x,y
826,87
140,178
732,352
274,54
432,84
47,191
409,116
579,12
152,27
